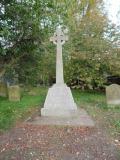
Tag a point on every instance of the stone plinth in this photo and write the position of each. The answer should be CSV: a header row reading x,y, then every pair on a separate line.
x,y
82,119
14,93
59,102
113,94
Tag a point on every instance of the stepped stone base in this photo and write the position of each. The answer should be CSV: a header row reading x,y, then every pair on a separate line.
x,y
59,102
82,119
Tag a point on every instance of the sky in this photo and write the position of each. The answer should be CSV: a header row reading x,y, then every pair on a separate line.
x,y
113,6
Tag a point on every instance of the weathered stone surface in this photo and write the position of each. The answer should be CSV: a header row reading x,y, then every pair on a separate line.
x,y
14,93
59,102
59,39
81,119
3,89
113,94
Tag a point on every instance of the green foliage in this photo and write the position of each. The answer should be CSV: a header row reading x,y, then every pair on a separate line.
x,y
88,97
103,105
117,123
89,56
91,52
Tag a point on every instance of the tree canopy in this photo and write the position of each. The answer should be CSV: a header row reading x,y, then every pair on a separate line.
x,y
91,54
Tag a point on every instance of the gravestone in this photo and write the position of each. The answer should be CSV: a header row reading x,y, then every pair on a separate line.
x,y
59,101
113,94
3,85
3,89
14,93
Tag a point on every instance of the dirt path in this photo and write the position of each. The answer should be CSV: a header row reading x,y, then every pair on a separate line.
x,y
33,142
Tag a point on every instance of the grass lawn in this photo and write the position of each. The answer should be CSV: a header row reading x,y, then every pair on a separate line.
x,y
11,112
93,102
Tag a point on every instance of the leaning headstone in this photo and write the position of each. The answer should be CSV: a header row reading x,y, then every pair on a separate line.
x,y
113,94
3,89
59,101
14,93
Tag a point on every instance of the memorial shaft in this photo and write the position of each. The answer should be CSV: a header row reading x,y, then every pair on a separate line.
x,y
59,65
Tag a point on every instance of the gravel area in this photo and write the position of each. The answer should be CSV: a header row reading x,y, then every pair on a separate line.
x,y
34,142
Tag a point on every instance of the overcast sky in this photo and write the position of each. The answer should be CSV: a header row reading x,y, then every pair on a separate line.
x,y
112,7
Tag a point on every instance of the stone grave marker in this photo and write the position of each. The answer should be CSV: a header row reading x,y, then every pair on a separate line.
x,y
14,93
59,101
3,89
113,94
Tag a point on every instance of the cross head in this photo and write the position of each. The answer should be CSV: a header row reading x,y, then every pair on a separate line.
x,y
59,37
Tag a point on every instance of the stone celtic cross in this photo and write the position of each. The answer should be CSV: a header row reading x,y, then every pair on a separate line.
x,y
59,39
59,101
